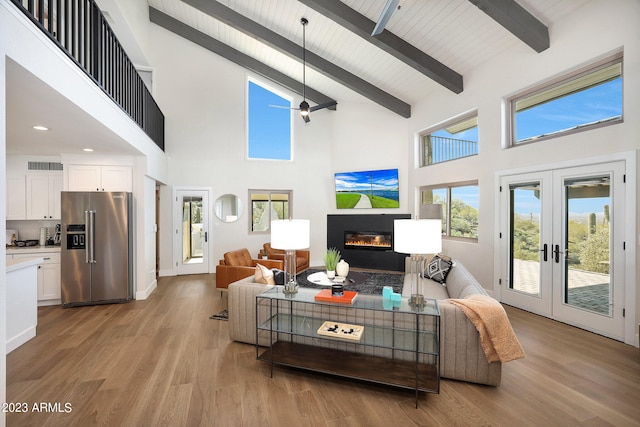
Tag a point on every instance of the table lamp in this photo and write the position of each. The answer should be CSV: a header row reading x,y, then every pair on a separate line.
x,y
417,237
290,235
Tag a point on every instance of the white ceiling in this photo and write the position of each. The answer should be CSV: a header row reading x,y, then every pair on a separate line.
x,y
454,32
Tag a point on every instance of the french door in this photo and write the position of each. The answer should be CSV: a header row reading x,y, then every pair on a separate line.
x,y
191,247
562,243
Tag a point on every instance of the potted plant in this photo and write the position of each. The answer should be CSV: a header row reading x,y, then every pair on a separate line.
x,y
331,258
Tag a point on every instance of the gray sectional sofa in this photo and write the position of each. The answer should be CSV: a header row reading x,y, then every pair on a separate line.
x,y
461,354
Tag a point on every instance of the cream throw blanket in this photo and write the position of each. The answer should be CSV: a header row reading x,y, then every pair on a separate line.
x,y
498,340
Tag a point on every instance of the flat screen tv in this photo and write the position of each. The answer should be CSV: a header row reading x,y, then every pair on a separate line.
x,y
375,189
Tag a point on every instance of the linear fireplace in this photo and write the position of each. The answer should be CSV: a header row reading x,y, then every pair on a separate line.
x,y
371,240
361,247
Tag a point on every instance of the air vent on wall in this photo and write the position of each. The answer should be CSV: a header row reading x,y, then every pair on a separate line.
x,y
45,166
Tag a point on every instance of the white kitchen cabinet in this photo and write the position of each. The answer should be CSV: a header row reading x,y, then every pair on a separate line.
x,y
48,276
16,198
43,195
100,178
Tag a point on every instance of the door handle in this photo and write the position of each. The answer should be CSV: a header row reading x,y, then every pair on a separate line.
x,y
557,253
205,237
544,252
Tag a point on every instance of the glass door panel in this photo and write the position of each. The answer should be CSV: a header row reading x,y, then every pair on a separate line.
x,y
525,253
587,283
191,245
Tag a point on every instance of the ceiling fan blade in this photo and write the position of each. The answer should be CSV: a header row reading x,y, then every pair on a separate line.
x,y
306,118
323,105
388,10
284,107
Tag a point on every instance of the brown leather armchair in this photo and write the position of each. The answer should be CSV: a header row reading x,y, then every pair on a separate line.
x,y
238,264
302,256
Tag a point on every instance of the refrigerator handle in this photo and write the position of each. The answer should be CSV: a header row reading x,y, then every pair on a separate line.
x,y
87,237
92,235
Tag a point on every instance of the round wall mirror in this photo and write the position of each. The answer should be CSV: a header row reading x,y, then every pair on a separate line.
x,y
228,208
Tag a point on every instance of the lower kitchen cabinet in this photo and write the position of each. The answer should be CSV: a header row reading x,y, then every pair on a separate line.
x,y
48,277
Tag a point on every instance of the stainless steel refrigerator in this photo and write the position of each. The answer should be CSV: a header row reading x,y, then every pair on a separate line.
x,y
96,248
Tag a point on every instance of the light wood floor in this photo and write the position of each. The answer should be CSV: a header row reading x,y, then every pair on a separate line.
x,y
164,362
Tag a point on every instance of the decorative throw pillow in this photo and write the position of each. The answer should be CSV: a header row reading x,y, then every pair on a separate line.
x,y
264,275
278,276
438,269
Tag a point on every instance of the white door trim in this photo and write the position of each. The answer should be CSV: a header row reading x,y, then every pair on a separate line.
x,y
631,188
177,223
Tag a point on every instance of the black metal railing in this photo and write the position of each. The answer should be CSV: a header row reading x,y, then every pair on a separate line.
x,y
80,29
439,149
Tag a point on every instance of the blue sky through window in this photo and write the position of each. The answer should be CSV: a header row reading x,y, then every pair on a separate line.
x,y
269,133
587,106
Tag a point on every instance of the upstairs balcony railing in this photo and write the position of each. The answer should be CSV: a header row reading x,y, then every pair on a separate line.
x,y
439,149
80,29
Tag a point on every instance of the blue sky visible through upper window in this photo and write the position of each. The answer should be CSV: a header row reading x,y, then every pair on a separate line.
x,y
587,106
269,128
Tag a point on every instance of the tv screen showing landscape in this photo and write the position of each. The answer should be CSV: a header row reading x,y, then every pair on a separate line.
x,y
375,189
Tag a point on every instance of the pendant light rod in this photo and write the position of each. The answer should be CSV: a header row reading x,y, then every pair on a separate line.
x,y
304,23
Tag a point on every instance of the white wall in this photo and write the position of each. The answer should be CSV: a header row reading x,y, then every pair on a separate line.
x,y
593,31
204,100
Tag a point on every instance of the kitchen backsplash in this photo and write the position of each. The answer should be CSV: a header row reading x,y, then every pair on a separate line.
x,y
30,230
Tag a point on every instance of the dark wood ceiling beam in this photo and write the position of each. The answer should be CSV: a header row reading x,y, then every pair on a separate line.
x,y
177,27
389,42
241,23
518,21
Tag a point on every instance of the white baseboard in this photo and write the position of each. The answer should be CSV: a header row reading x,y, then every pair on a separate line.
x,y
144,294
166,273
21,338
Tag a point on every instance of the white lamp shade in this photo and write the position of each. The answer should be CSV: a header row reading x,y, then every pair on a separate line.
x,y
417,236
290,234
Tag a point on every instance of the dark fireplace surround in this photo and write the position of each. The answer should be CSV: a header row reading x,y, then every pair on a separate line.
x,y
371,240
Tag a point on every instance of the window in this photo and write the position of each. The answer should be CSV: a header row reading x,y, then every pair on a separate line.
x,y
267,205
269,124
459,208
456,139
585,100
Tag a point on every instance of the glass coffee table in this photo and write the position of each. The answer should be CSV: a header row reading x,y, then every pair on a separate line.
x,y
397,345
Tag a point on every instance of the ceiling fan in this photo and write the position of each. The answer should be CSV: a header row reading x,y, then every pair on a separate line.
x,y
388,10
304,107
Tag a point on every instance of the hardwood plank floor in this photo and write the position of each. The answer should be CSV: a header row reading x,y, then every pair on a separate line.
x,y
164,362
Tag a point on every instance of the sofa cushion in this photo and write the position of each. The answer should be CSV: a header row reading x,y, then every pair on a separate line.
x,y
264,275
427,287
437,269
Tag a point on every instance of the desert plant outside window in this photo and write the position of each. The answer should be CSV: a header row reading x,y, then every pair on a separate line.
x,y
460,207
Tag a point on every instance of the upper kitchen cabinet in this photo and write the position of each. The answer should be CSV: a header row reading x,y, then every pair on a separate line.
x,y
100,178
16,198
43,195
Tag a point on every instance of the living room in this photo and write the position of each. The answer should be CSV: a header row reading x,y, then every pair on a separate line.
x,y
204,106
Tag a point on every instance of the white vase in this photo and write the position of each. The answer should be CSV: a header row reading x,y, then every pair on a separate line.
x,y
331,274
342,269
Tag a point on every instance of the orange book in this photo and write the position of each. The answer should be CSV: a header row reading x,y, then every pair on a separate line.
x,y
347,298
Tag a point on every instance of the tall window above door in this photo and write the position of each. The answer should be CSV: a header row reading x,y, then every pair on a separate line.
x,y
267,206
586,99
269,123
455,139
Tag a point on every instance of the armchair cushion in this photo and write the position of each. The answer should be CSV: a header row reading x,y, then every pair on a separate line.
x,y
238,264
302,256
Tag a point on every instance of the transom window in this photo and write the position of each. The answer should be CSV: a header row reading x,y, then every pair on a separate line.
x,y
583,100
455,139
459,208
268,205
269,123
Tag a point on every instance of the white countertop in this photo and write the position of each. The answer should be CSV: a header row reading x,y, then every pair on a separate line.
x,y
20,263
31,249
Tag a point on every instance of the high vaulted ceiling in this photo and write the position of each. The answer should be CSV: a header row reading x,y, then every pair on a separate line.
x,y
428,45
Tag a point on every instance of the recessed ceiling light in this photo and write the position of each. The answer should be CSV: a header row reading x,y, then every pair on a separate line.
x,y
39,127
87,149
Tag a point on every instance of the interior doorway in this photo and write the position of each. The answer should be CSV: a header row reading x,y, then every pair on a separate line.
x,y
191,248
562,245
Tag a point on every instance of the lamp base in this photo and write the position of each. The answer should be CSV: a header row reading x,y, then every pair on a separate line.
x,y
290,288
417,300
